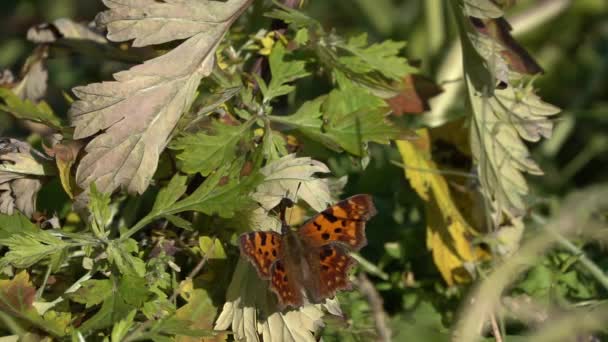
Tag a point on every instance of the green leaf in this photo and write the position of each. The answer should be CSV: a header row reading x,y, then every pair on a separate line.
x,y
292,16
354,116
113,309
92,292
222,193
179,222
128,294
27,110
205,243
204,153
101,216
381,57
283,72
275,145
28,248
15,224
308,120
119,253
120,330
168,195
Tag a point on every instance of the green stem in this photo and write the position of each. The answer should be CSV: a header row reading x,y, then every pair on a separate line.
x,y
44,281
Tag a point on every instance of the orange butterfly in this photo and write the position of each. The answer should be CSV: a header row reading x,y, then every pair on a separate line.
x,y
311,264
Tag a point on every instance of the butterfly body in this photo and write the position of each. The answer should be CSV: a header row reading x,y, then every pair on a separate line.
x,y
311,264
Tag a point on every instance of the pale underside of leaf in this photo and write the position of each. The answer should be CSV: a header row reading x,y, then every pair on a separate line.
x,y
499,124
482,9
293,178
138,111
248,312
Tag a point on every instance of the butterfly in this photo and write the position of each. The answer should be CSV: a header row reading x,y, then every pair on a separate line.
x,y
312,263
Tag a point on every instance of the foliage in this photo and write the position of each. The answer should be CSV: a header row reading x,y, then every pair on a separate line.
x,y
140,144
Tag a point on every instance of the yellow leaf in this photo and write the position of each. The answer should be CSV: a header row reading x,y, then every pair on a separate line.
x,y
65,156
267,44
211,248
447,231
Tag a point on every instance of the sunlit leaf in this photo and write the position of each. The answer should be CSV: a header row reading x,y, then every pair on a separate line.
x,y
293,178
447,230
205,152
137,112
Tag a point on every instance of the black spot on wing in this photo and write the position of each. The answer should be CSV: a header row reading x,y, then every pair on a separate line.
x,y
263,237
325,236
318,226
329,216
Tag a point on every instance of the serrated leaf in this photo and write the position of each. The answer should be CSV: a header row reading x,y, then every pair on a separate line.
x,y
291,16
293,178
308,120
204,153
99,206
27,110
222,193
283,72
499,124
168,195
354,116
120,330
139,110
15,224
128,293
249,312
501,116
119,253
381,57
92,292
495,44
28,248
447,230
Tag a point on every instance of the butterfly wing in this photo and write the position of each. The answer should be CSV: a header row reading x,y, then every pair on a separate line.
x,y
343,222
285,287
262,248
334,264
